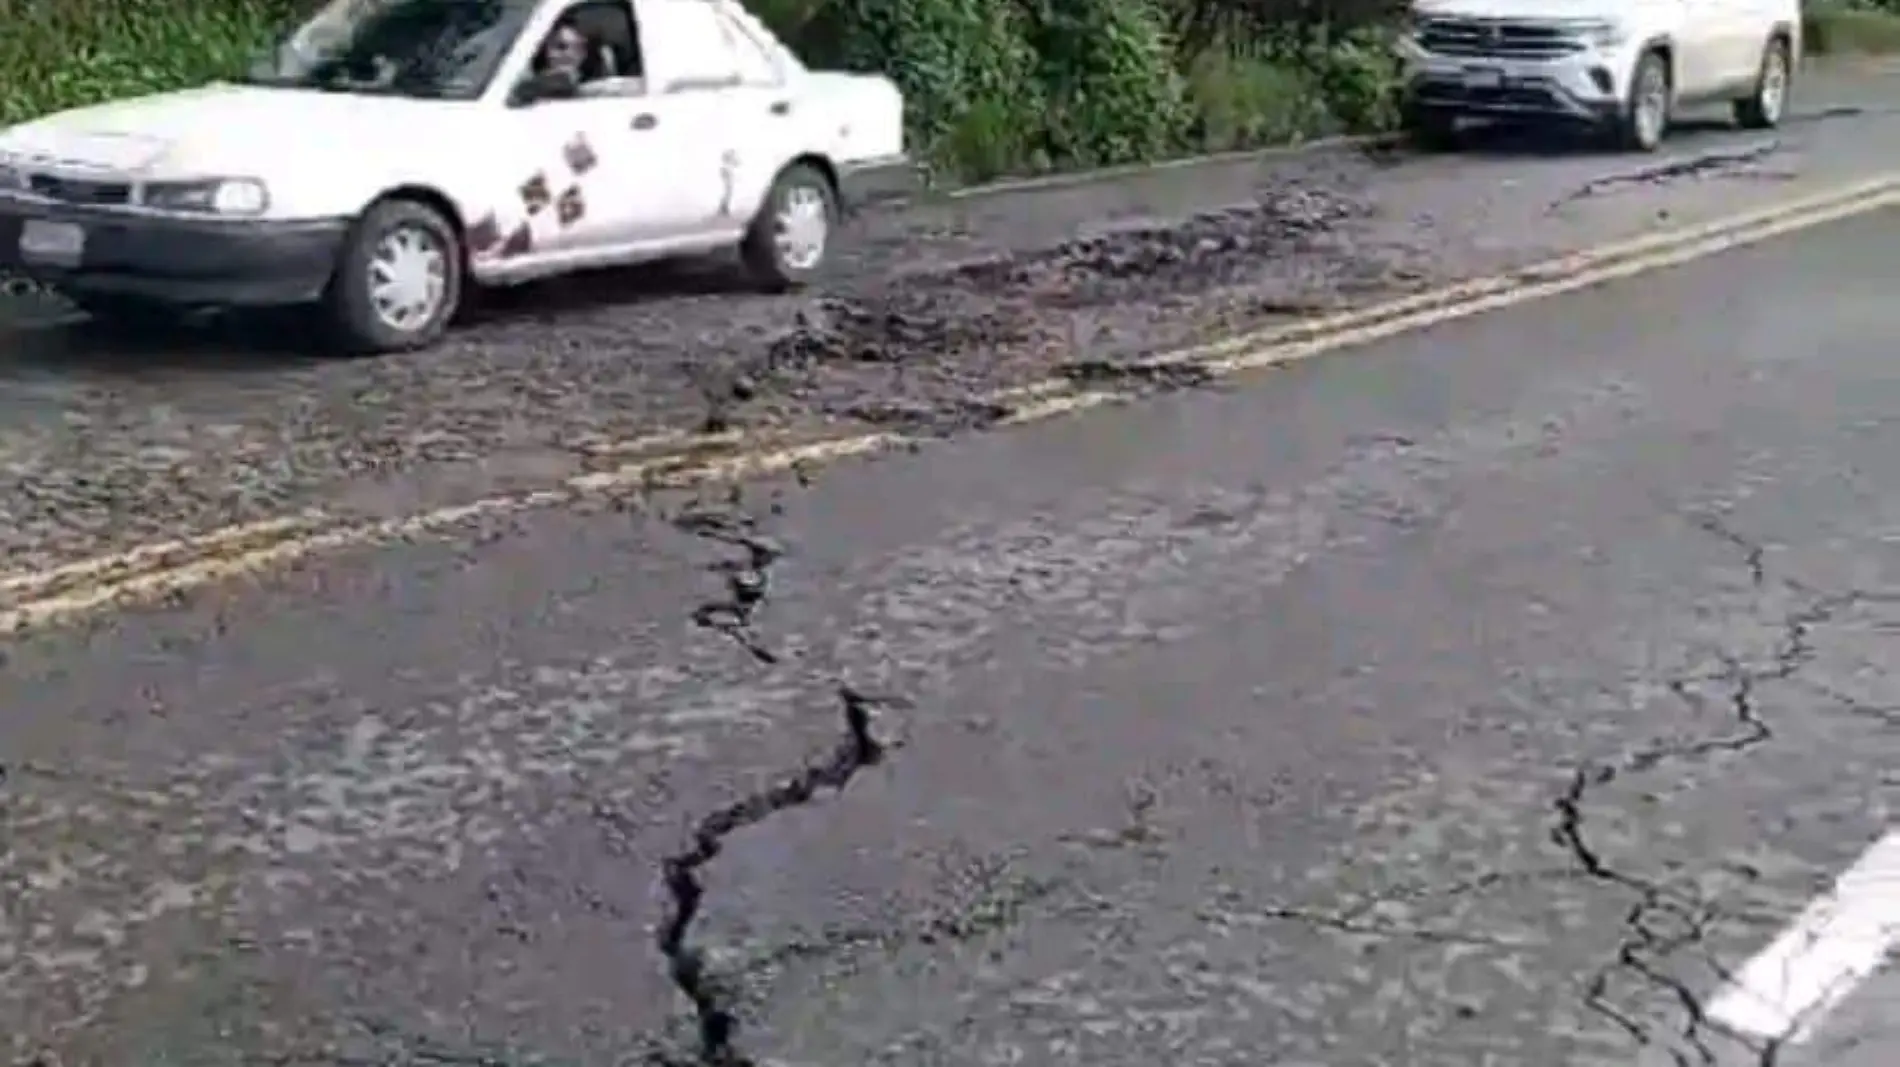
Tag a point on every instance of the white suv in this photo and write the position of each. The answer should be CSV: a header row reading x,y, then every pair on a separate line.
x,y
1622,67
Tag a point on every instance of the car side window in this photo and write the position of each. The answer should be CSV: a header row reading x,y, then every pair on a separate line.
x,y
700,54
608,42
756,64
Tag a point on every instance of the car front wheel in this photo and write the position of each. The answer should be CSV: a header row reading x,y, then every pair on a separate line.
x,y
1645,113
398,281
790,239
1429,129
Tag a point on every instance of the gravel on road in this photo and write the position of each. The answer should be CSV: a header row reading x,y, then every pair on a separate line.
x,y
106,444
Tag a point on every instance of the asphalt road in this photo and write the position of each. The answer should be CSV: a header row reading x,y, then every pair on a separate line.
x,y
107,444
1489,696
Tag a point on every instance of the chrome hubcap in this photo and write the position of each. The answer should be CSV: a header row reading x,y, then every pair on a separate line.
x,y
408,278
804,225
1774,84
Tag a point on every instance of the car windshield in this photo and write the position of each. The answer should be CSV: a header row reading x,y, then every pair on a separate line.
x,y
431,49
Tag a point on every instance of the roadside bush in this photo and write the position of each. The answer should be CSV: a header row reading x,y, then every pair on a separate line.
x,y
65,53
1868,28
1237,101
1357,73
966,68
1107,71
993,86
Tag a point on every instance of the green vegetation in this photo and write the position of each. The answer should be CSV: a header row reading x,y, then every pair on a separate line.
x,y
1870,27
995,86
62,53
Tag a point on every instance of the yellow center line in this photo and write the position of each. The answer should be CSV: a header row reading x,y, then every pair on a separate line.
x,y
153,572
156,554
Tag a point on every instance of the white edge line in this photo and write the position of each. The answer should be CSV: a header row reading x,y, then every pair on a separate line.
x,y
1837,943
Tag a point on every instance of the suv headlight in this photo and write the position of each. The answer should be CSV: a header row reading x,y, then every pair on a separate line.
x,y
1601,33
210,196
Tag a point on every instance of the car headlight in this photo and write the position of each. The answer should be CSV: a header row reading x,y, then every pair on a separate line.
x,y
1602,33
211,196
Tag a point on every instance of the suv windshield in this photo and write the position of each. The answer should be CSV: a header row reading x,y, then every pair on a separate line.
x,y
433,49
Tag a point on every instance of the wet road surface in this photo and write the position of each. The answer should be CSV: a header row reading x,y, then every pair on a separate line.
x,y
1488,696
107,444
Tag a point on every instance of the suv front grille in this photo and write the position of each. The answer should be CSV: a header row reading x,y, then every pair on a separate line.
x,y
1496,38
79,190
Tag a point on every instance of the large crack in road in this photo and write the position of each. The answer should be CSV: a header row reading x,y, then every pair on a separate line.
x,y
1662,919
717,1024
747,578
1739,685
861,747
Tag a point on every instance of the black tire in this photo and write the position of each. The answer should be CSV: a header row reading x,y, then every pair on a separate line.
x,y
1428,129
771,263
129,316
1763,107
356,324
1644,117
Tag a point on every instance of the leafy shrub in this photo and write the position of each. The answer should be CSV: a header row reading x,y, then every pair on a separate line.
x,y
992,86
1241,101
1107,70
65,53
965,66
1358,77
988,140
1868,28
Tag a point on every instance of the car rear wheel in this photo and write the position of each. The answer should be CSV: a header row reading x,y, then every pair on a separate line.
x,y
398,282
790,239
1763,108
1645,114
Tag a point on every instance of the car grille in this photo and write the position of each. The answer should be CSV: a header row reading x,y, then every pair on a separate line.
x,y
1520,97
79,190
1497,38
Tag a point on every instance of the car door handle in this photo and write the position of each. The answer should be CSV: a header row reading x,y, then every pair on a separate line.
x,y
645,122
781,107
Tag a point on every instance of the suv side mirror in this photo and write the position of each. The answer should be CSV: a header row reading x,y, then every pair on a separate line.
x,y
548,85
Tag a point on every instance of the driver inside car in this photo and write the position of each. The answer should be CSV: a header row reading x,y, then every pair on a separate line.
x,y
591,66
564,54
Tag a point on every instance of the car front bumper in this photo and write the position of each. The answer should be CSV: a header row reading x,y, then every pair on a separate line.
x,y
205,262
1583,87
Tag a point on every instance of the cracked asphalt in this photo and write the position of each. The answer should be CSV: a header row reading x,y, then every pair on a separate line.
x,y
106,443
1485,696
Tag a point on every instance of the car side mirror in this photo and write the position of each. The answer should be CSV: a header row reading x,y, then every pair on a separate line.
x,y
547,85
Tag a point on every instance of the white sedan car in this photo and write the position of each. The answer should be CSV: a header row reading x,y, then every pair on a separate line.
x,y
389,153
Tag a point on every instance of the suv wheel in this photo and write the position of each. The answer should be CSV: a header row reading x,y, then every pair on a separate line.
x,y
1762,109
399,280
1645,114
1429,129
